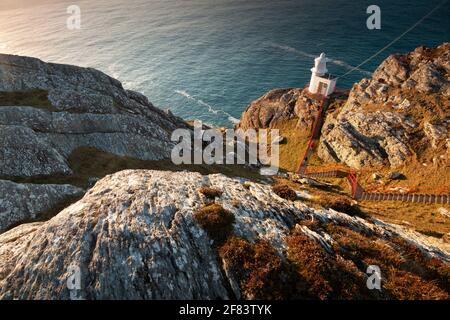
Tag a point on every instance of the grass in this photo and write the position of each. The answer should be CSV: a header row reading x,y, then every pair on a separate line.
x,y
217,221
31,98
417,177
296,141
321,275
340,203
260,271
406,272
210,193
89,162
285,192
309,272
423,218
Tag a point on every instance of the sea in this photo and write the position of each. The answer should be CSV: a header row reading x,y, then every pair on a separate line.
x,y
208,59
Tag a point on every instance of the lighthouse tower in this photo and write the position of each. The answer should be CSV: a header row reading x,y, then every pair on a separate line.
x,y
321,81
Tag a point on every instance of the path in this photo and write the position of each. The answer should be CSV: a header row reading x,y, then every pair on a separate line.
x,y
357,190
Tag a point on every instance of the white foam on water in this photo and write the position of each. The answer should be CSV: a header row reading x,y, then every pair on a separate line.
x,y
210,108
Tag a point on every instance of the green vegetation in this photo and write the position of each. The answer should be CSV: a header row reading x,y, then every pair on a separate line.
x,y
89,162
296,141
31,98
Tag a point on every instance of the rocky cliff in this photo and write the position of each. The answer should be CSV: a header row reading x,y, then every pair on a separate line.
x,y
135,236
48,111
279,105
402,112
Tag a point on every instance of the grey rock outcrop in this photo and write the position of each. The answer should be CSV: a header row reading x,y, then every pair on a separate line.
x,y
382,120
424,69
358,139
279,105
23,153
133,236
89,109
24,201
84,108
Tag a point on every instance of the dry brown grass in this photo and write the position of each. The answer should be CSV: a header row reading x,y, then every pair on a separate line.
x,y
340,203
323,276
210,193
311,273
88,162
362,248
260,271
406,272
431,269
423,218
293,149
217,221
432,178
285,192
417,177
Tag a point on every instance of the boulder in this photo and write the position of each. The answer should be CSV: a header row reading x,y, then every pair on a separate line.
x,y
436,132
24,201
134,236
24,154
444,212
279,105
83,107
395,175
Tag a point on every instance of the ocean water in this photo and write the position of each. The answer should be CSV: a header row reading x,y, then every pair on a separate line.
x,y
207,59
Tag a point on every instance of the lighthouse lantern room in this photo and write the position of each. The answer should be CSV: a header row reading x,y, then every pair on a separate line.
x,y
321,81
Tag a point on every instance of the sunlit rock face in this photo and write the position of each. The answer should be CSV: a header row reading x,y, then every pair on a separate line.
x,y
279,105
82,107
133,236
385,118
25,201
88,109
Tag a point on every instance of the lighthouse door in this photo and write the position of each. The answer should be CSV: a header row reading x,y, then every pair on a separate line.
x,y
323,87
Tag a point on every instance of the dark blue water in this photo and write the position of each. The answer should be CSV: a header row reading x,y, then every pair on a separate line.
x,y
207,59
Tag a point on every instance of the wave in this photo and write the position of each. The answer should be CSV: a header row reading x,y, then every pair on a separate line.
x,y
308,55
113,70
210,108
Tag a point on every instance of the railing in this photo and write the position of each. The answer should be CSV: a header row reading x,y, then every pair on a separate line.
x,y
357,191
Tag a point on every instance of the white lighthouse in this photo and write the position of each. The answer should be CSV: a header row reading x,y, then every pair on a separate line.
x,y
321,81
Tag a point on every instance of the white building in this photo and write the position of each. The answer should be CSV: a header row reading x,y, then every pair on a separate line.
x,y
321,81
